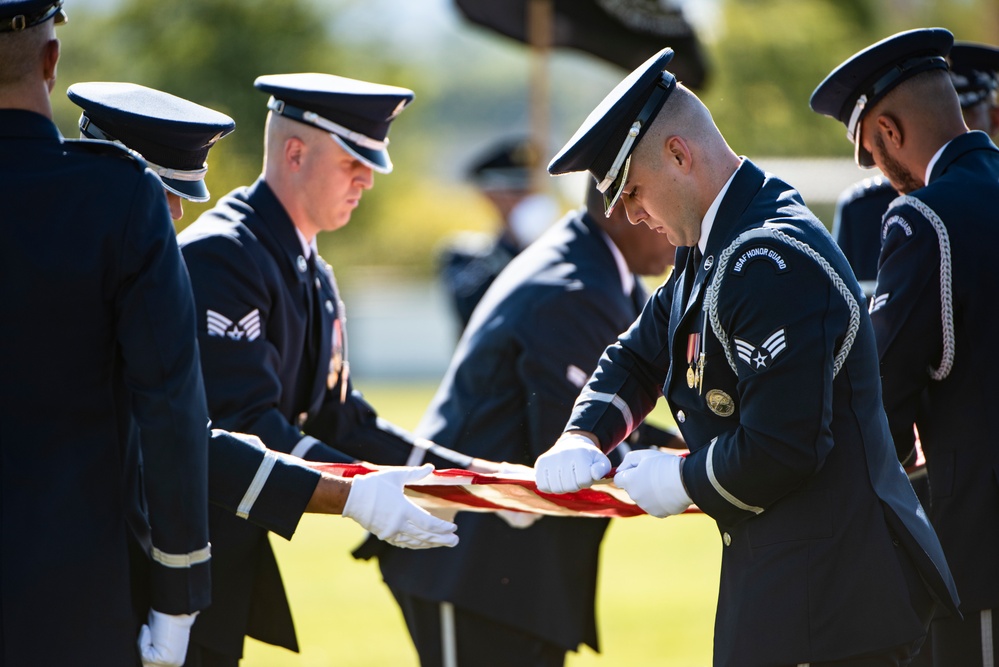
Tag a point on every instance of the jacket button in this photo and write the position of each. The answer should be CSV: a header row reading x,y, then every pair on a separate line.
x,y
329,307
681,416
302,418
302,266
727,539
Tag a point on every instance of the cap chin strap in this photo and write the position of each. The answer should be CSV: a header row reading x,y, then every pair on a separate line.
x,y
23,21
629,141
662,91
312,118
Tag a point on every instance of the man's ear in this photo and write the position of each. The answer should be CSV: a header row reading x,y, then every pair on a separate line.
x,y
49,62
890,129
678,153
294,153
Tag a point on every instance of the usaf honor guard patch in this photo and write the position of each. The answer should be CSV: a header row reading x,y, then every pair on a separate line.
x,y
760,252
246,328
759,358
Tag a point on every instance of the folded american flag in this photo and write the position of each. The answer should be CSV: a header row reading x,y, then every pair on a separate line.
x,y
458,489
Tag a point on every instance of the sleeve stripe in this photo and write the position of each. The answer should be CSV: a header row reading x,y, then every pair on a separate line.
x,y
180,561
303,446
589,395
419,452
257,485
720,489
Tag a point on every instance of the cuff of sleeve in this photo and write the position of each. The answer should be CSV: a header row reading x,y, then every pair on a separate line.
x,y
180,590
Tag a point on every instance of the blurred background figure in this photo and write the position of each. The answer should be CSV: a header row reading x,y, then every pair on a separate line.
x,y
470,261
974,69
513,593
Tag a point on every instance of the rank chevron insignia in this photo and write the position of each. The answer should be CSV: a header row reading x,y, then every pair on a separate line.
x,y
247,328
761,357
877,302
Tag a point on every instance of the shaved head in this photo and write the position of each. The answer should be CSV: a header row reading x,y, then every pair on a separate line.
x,y
22,53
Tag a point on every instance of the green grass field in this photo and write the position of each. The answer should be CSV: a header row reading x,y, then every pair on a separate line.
x,y
656,599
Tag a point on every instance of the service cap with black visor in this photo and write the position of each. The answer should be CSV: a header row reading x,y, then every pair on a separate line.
x,y
974,70
859,83
605,141
173,135
18,15
356,114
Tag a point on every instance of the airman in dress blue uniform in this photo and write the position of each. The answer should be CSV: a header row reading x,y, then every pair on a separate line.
x,y
768,361
104,426
509,596
934,310
271,326
974,69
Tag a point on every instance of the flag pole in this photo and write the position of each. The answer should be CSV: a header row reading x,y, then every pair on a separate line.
x,y
540,15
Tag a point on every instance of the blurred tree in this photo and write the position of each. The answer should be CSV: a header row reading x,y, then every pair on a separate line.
x,y
771,54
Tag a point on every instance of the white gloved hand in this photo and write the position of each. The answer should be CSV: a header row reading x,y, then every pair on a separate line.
x,y
652,479
163,640
574,462
376,501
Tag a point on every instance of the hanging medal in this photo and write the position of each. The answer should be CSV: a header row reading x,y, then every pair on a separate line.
x,y
693,351
701,363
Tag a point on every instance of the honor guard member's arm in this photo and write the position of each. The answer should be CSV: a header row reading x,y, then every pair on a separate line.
x,y
783,319
273,490
907,302
157,341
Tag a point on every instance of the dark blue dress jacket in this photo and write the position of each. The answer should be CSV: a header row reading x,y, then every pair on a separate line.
x,y
936,363
790,448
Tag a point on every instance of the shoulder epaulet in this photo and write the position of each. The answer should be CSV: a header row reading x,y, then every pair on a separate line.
x,y
98,147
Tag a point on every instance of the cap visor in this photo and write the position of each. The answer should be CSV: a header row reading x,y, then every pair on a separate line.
x,y
378,160
195,191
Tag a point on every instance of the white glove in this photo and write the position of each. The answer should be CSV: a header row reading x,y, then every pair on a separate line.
x,y
163,640
376,501
574,462
652,479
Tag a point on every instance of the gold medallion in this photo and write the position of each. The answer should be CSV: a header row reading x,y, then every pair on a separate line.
x,y
691,377
720,403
